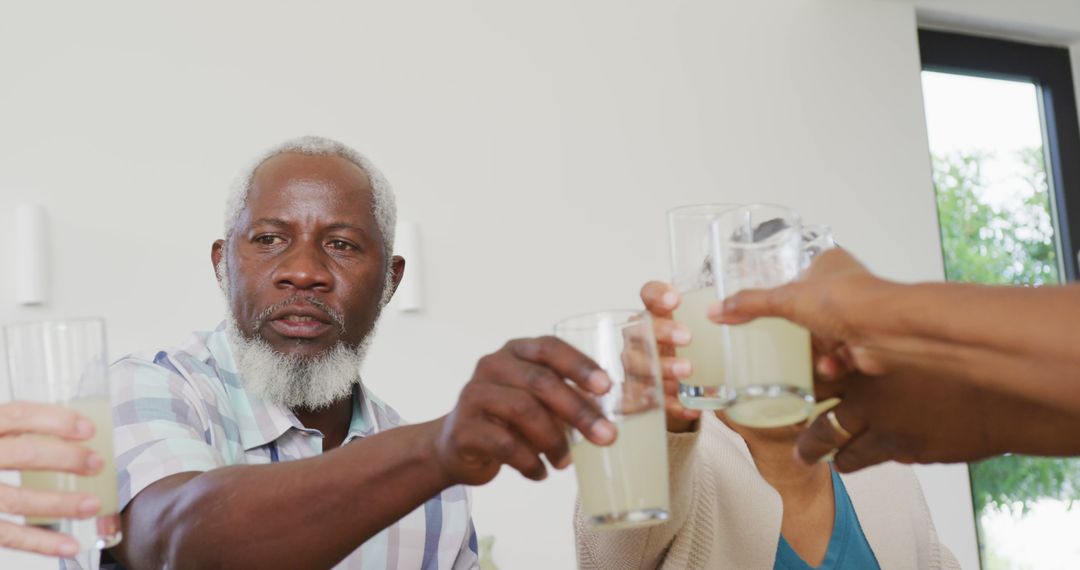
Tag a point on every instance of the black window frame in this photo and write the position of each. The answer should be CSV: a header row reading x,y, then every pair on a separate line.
x,y
1049,68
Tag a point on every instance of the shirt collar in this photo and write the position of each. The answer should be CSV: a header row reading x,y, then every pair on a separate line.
x,y
262,422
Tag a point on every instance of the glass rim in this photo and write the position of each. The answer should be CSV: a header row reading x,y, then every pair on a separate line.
x,y
769,242
700,210
53,322
772,240
763,205
825,227
587,321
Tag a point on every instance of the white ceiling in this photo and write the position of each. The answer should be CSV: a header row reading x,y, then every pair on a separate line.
x,y
1043,21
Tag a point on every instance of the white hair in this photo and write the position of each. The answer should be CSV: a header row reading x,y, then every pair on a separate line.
x,y
384,207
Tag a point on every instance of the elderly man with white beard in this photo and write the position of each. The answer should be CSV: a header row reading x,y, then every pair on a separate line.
x,y
256,445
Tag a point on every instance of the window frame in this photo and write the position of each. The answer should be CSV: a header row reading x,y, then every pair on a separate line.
x,y
1050,69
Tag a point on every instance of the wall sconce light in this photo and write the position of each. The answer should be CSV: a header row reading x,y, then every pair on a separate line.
x,y
31,255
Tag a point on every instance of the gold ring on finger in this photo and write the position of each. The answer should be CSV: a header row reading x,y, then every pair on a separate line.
x,y
835,423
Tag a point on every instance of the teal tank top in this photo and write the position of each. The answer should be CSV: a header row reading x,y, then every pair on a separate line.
x,y
848,548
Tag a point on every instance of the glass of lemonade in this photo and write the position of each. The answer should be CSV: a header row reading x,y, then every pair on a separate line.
x,y
768,364
624,484
64,362
692,275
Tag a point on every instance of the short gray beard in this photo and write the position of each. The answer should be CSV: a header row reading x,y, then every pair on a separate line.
x,y
308,383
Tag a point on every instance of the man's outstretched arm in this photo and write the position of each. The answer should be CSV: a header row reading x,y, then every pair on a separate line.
x,y
313,512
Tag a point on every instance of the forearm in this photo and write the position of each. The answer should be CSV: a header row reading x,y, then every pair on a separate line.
x,y
301,514
1052,382
1030,428
1040,322
1019,341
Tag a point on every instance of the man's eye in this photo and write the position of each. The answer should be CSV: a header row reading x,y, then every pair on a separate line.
x,y
341,245
268,239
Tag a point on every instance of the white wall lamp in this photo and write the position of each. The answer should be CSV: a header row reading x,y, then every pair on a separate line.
x,y
31,255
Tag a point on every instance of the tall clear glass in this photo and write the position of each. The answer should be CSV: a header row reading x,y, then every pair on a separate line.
x,y
815,239
64,362
768,368
693,276
624,484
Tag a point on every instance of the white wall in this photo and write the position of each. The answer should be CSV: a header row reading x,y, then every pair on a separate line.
x,y
536,145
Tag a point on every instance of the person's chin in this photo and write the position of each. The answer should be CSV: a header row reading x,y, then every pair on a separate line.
x,y
302,347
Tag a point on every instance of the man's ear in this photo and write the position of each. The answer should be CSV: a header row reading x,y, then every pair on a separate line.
x,y
216,252
397,266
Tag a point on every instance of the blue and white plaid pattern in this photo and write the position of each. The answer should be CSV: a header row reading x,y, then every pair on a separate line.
x,y
186,410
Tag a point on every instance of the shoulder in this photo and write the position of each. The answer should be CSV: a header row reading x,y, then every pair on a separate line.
x,y
178,359
385,416
893,514
723,445
203,356
151,379
887,482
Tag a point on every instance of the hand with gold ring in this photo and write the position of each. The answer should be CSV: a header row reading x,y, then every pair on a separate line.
x,y
835,423
914,419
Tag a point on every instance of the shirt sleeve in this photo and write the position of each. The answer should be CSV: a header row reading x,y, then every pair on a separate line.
x,y
468,557
160,426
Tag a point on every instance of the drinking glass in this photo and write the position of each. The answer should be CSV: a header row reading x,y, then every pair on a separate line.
x,y
624,484
692,274
64,362
815,239
768,365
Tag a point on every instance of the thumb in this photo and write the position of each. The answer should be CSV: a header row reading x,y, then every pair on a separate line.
x,y
750,304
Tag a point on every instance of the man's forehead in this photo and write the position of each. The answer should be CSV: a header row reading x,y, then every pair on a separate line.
x,y
283,168
292,177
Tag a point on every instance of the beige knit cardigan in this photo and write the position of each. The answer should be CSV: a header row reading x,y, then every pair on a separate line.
x,y
725,515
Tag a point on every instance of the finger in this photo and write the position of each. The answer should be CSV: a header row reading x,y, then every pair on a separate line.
x,y
660,298
30,539
670,333
861,452
638,351
31,502
866,361
489,442
533,421
567,403
45,419
38,453
564,360
749,304
675,411
638,363
674,368
832,261
820,438
823,346
829,368
670,386
825,389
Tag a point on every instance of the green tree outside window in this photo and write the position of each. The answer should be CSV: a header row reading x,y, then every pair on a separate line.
x,y
1003,246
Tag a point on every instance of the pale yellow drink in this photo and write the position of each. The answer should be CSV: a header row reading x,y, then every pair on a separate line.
x,y
102,485
44,481
771,372
706,349
626,483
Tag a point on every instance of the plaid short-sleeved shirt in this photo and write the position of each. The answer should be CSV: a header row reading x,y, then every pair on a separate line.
x,y
186,410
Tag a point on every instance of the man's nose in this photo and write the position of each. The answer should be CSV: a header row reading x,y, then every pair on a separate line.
x,y
303,267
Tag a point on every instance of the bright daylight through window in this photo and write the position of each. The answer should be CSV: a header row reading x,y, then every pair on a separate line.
x,y
995,209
